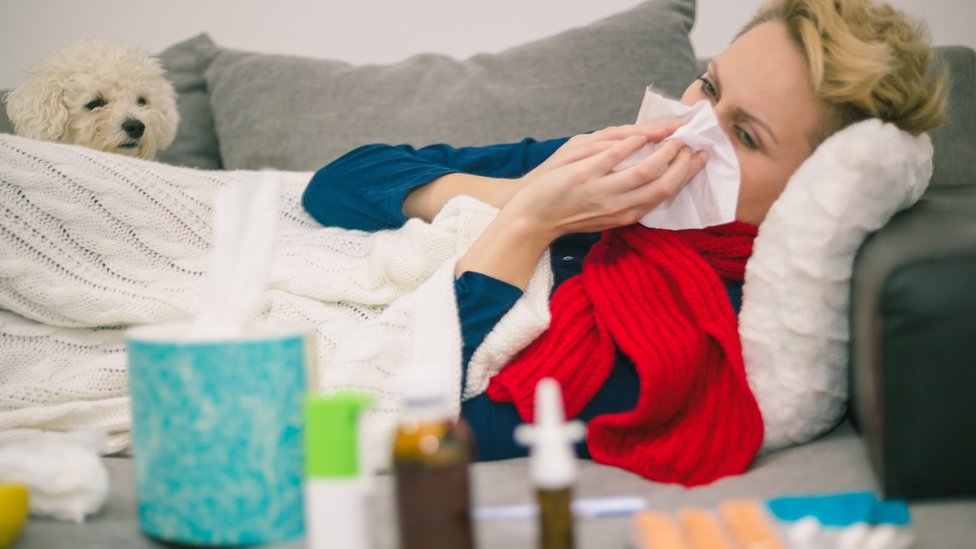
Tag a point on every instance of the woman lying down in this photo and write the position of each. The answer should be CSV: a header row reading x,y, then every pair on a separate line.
x,y
637,324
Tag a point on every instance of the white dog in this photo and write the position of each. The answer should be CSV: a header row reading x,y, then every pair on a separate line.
x,y
102,94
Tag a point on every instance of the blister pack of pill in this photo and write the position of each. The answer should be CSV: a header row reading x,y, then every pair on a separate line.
x,y
855,520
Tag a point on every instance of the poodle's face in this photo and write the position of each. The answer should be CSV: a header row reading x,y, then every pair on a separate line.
x,y
123,115
101,94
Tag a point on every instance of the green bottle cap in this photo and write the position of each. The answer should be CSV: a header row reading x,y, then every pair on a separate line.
x,y
331,441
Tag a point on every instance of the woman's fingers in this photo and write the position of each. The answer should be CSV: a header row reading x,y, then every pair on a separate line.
x,y
639,189
619,133
669,179
647,170
678,173
652,133
585,150
589,144
604,162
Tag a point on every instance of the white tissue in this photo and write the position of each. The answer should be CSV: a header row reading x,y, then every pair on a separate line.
x,y
245,219
66,478
710,198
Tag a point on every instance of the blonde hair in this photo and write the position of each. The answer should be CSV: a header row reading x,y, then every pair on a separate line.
x,y
866,60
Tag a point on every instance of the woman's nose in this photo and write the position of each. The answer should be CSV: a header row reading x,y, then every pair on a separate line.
x,y
723,112
725,117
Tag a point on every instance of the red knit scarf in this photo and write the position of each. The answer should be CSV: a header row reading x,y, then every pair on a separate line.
x,y
658,296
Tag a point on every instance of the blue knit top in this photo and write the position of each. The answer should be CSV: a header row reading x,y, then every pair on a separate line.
x,y
365,190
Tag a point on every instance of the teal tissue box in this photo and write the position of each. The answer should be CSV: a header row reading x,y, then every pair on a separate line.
x,y
217,434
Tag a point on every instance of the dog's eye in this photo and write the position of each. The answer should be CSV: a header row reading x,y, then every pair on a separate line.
x,y
95,103
142,101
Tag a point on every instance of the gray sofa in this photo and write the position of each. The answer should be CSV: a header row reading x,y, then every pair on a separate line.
x,y
912,304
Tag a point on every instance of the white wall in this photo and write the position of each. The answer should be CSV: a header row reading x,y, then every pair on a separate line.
x,y
951,22
367,31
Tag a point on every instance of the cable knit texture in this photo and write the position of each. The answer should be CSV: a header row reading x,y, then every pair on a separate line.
x,y
93,242
658,297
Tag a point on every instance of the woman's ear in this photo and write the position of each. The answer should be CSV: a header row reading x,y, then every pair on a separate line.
x,y
37,107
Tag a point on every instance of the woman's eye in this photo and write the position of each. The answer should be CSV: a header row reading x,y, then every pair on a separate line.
x,y
746,139
95,103
707,88
142,101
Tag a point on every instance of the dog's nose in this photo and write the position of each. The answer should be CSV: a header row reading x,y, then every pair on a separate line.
x,y
133,128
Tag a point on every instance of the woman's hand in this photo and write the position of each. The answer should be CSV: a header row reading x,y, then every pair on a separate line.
x,y
426,201
586,145
581,193
584,194
578,147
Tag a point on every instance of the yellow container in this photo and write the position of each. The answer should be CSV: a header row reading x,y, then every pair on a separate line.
x,y
13,511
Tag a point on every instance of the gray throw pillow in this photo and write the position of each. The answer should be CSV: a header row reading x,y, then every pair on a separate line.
x,y
195,144
298,113
955,142
6,126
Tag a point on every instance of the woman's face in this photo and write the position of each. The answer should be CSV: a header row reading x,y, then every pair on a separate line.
x,y
763,97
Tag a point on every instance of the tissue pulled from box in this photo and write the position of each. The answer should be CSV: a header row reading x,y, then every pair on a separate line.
x,y
245,221
710,197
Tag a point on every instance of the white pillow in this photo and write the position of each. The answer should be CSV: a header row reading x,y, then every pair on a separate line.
x,y
794,318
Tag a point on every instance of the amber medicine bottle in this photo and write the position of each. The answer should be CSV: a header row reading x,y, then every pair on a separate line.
x,y
431,453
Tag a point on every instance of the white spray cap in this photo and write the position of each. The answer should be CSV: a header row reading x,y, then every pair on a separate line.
x,y
551,438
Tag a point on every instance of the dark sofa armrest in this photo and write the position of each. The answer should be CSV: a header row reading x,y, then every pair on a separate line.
x,y
913,347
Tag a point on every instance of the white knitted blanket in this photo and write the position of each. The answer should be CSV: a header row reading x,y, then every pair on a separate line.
x,y
92,242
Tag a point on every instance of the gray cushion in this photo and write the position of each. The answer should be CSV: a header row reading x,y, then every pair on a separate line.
x,y
299,113
6,126
955,141
196,139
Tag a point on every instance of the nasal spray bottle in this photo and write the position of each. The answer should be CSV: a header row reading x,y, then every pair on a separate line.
x,y
337,485
552,464
431,452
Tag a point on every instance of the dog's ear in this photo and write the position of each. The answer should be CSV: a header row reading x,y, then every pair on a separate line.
x,y
37,107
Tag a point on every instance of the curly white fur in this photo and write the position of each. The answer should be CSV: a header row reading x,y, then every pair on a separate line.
x,y
103,94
